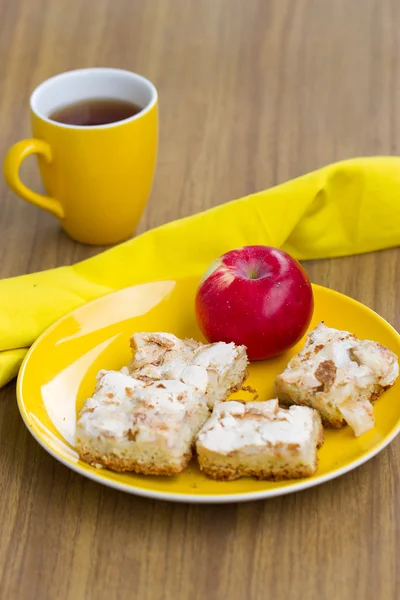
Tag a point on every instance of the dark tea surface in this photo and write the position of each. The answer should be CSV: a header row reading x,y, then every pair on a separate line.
x,y
97,111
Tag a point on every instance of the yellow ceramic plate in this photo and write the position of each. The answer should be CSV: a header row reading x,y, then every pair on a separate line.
x,y
59,373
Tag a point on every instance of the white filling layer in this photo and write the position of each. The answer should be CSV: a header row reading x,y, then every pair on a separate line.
x,y
249,427
123,409
212,368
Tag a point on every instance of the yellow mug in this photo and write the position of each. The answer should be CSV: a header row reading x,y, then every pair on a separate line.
x,y
97,178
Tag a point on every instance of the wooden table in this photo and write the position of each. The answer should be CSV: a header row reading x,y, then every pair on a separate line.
x,y
252,93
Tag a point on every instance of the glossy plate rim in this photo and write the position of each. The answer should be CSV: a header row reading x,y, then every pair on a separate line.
x,y
204,498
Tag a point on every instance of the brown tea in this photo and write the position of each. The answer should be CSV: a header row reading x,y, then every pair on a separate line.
x,y
97,111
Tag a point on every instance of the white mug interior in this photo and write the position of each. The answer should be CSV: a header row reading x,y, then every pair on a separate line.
x,y
86,84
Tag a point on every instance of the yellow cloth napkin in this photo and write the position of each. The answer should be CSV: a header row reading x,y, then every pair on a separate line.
x,y
345,208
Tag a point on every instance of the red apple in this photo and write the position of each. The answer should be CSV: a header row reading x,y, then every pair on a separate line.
x,y
257,296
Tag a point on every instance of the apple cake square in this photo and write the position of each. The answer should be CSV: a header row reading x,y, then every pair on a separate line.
x,y
340,376
259,439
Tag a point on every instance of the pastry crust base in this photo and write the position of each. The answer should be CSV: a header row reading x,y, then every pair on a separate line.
x,y
116,463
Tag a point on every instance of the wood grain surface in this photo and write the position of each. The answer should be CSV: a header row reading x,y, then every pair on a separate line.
x,y
252,92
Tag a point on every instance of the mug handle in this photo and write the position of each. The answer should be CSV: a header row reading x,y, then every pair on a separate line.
x,y
12,163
